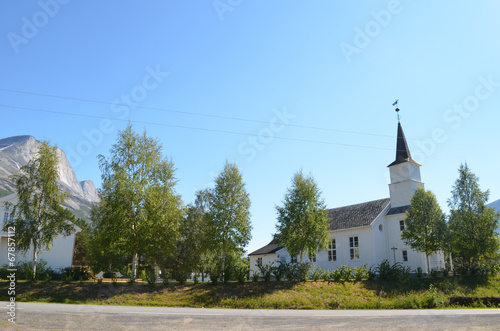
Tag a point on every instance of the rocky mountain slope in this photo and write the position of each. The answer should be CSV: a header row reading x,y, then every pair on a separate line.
x,y
16,152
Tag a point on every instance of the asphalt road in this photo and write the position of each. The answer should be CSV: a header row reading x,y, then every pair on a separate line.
x,y
38,316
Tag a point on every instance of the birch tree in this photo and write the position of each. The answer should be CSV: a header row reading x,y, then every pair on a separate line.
x,y
472,223
38,217
425,224
229,213
141,209
303,218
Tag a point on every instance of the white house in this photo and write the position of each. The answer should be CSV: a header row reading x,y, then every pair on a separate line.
x,y
368,232
60,254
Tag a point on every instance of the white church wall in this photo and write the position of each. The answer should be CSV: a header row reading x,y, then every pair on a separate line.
x,y
59,256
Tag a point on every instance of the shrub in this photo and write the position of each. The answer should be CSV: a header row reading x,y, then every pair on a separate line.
x,y
303,271
266,271
372,274
326,276
291,271
279,271
336,275
388,272
360,273
317,274
241,273
419,272
255,277
346,273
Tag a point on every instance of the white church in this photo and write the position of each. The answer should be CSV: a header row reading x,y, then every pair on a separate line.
x,y
368,232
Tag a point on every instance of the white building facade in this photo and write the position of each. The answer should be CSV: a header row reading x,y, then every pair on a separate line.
x,y
59,256
369,232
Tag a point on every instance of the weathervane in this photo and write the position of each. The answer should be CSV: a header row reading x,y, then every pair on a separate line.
x,y
397,108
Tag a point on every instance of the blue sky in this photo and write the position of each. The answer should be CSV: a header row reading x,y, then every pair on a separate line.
x,y
275,87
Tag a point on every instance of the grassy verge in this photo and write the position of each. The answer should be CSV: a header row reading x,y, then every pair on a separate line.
x,y
411,294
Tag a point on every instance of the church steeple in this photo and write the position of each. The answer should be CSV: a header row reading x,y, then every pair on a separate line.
x,y
405,173
402,150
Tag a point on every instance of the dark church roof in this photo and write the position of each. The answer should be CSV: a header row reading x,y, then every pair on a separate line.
x,y
270,248
358,215
402,150
398,210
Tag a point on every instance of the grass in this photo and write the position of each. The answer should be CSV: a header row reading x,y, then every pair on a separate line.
x,y
412,294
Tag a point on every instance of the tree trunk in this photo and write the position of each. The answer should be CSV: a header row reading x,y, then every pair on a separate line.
x,y
157,274
34,260
134,267
428,268
301,254
223,265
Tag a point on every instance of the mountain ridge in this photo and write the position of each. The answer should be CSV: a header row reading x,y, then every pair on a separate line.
x,y
17,151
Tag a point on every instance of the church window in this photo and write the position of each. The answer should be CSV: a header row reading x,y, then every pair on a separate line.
x,y
405,255
6,217
259,261
294,259
332,250
354,248
401,225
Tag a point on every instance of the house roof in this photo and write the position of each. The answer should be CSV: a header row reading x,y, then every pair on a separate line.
x,y
270,248
402,150
358,215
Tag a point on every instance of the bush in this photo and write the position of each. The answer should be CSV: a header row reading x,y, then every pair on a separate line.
x,y
25,270
372,274
241,272
317,274
266,271
255,277
360,273
303,271
290,271
336,275
326,276
388,272
419,272
345,273
279,271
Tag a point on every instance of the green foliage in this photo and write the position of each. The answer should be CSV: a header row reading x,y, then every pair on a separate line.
x,y
241,273
302,218
360,273
472,224
425,225
336,275
192,245
228,219
326,276
419,272
386,271
38,216
372,273
303,270
317,273
345,273
279,271
266,271
140,211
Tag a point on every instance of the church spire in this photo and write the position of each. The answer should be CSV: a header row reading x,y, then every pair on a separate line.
x,y
402,150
